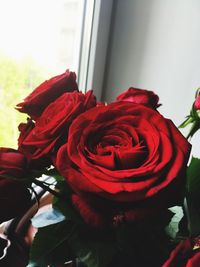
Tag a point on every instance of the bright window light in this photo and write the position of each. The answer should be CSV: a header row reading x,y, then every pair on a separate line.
x,y
39,39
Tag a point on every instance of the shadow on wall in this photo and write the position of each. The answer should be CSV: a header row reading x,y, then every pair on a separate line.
x,y
127,34
154,44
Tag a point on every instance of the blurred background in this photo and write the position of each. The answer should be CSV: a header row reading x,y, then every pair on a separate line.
x,y
111,45
38,39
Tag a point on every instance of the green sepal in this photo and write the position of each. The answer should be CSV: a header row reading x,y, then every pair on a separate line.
x,y
189,119
194,128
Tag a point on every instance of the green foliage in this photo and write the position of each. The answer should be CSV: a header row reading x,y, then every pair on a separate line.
x,y
145,243
193,119
186,122
59,242
64,238
71,238
95,248
50,245
17,80
193,179
193,196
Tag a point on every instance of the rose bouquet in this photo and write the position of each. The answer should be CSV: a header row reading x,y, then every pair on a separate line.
x,y
123,191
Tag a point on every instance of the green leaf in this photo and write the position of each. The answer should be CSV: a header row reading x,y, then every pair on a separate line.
x,y
193,196
63,241
144,238
188,120
47,218
95,248
193,215
193,179
50,245
58,178
194,128
183,230
92,247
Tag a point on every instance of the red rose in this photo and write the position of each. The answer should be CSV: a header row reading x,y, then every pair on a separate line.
x,y
12,163
124,161
184,255
14,196
47,92
197,103
140,96
51,128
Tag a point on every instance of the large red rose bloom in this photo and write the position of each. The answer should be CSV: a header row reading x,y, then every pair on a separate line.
x,y
125,153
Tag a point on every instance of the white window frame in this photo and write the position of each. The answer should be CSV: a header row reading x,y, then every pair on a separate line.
x,y
94,43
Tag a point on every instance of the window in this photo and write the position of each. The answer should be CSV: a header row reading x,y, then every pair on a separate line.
x,y
43,38
39,39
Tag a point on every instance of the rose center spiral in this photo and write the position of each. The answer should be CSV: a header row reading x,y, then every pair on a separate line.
x,y
118,149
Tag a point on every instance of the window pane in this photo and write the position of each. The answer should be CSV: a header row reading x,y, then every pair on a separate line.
x,y
39,39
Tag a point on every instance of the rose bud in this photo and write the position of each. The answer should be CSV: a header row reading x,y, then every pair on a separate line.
x,y
140,96
194,118
125,162
14,195
197,103
47,92
186,254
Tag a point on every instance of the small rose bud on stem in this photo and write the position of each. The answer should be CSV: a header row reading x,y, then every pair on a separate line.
x,y
197,103
194,117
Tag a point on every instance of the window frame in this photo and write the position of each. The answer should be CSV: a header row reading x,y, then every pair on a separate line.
x,y
94,44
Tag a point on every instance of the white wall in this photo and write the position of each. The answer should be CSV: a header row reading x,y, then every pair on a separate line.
x,y
155,44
